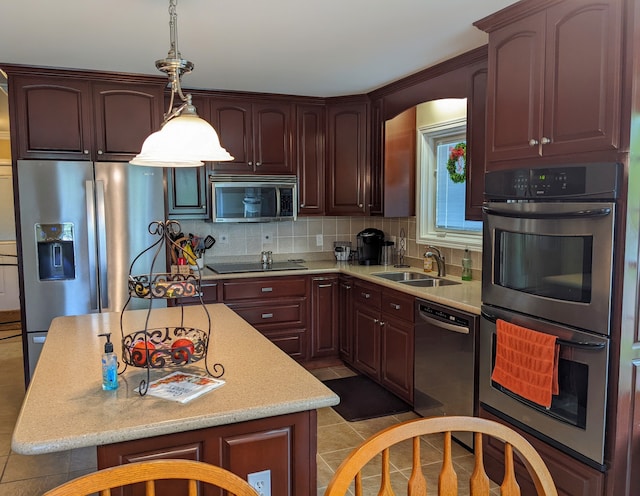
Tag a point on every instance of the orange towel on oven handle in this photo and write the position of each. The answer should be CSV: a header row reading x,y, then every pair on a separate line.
x,y
526,362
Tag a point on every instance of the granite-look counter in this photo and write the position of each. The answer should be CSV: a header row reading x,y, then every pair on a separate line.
x,y
465,296
65,406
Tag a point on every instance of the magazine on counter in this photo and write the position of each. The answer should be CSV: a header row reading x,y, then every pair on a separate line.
x,y
182,386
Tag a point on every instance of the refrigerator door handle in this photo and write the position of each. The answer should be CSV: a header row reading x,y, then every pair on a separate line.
x,y
93,248
102,244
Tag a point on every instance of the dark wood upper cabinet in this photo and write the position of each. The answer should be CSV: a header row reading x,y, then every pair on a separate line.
x,y
124,116
310,155
257,133
399,172
347,161
476,143
554,81
66,118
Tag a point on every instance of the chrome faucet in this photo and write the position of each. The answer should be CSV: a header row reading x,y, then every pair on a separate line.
x,y
442,270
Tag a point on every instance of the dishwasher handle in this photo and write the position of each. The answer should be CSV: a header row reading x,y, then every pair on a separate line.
x,y
444,325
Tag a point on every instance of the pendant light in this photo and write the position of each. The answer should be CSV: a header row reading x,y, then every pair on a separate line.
x,y
184,140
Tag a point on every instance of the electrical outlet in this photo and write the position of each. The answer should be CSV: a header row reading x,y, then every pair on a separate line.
x,y
224,239
261,482
318,239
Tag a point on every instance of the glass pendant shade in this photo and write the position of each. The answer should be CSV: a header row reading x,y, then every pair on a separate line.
x,y
184,141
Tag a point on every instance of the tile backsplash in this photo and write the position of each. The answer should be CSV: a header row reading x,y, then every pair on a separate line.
x,y
313,238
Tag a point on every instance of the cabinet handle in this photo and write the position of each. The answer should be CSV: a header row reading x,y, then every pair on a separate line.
x,y
545,141
376,321
266,290
258,164
325,285
267,315
86,152
381,323
100,152
395,306
360,205
533,142
366,296
302,205
346,286
250,164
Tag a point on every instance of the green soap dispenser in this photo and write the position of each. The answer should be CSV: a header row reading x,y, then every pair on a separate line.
x,y
466,265
109,365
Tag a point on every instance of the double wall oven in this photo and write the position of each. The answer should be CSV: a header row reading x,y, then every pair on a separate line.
x,y
548,262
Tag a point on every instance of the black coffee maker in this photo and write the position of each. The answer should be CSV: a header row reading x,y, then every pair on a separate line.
x,y
370,246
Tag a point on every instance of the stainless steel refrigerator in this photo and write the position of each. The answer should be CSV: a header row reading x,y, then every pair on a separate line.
x,y
81,225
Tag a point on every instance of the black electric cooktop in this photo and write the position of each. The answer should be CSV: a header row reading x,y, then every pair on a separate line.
x,y
233,268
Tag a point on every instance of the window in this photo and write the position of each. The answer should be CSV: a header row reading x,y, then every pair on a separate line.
x,y
441,201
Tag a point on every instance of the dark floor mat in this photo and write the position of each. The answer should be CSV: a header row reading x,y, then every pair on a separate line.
x,y
361,398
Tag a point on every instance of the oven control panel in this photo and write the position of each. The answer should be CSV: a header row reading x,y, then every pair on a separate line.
x,y
598,181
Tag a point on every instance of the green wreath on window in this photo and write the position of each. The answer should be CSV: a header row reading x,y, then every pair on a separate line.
x,y
457,163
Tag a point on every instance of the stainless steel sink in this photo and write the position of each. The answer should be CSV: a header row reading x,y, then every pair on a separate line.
x,y
430,283
403,276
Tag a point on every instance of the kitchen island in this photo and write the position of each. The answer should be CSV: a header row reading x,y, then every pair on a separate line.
x,y
263,418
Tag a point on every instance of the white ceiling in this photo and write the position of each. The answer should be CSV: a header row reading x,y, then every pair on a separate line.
x,y
302,47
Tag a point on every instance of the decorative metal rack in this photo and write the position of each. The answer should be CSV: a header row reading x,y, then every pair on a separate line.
x,y
168,346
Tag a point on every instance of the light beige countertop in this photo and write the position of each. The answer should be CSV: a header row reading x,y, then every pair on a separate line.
x,y
465,296
65,406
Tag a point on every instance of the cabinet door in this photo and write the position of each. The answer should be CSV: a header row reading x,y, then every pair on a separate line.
x,y
476,143
53,118
324,316
400,165
582,93
366,341
187,192
396,370
232,120
515,94
377,150
310,127
272,138
347,159
124,116
345,319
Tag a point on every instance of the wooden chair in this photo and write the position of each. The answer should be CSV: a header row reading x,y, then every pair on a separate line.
x,y
350,469
148,472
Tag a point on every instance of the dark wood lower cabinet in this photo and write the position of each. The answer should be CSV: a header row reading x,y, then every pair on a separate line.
x,y
285,445
572,478
345,318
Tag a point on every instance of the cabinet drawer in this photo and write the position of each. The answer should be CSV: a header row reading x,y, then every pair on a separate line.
x,y
275,287
272,314
209,295
292,341
398,304
368,295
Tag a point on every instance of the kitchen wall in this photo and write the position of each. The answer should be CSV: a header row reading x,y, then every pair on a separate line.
x,y
312,238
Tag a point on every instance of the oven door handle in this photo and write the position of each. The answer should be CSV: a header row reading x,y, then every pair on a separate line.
x,y
586,345
591,212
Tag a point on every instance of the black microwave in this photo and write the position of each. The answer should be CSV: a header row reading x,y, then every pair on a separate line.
x,y
249,198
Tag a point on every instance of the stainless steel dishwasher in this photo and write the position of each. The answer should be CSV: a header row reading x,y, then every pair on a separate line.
x,y
445,363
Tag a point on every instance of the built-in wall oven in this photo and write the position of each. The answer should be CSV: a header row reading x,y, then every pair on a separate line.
x,y
548,259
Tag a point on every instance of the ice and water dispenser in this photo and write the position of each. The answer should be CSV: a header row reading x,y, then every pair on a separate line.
x,y
55,251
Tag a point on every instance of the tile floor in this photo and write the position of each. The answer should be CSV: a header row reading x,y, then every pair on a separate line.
x,y
32,475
